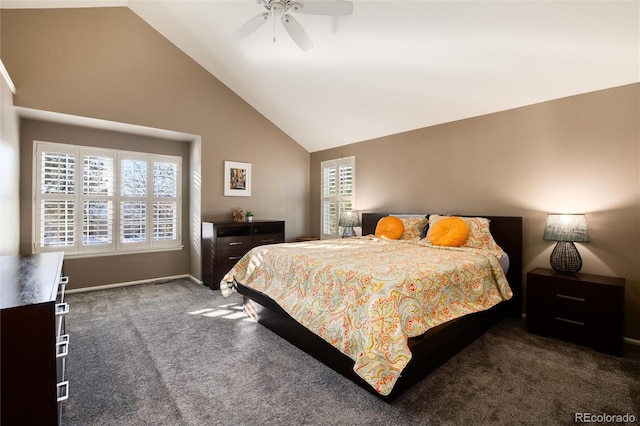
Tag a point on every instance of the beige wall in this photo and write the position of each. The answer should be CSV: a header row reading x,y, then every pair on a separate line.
x,y
575,155
9,173
107,63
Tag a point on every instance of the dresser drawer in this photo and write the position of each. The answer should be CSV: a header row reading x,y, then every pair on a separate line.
x,y
225,264
234,243
262,239
230,256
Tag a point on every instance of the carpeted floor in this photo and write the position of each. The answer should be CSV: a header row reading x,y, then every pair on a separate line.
x,y
180,354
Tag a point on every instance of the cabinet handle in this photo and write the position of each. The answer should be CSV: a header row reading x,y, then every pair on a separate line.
x,y
235,257
62,346
569,321
235,243
63,391
564,296
267,241
62,309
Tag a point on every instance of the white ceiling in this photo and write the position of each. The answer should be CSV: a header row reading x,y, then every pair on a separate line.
x,y
395,66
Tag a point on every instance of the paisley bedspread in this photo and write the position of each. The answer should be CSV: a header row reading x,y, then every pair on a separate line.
x,y
366,296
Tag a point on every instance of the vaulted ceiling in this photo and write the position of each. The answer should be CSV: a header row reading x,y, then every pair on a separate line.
x,y
394,66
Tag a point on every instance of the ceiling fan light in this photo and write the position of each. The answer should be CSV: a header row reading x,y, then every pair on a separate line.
x,y
278,9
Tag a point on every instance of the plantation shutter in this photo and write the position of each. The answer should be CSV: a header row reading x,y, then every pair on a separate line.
x,y
338,183
91,200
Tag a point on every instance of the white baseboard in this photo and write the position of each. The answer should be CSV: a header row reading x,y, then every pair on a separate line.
x,y
631,341
125,284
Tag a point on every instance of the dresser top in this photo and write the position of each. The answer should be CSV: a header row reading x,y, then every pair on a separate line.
x,y
26,280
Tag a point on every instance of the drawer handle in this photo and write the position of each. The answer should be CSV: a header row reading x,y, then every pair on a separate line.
x,y
62,309
268,241
63,287
63,391
62,346
235,257
235,243
569,321
578,299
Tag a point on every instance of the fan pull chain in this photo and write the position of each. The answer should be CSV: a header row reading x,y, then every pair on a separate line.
x,y
274,29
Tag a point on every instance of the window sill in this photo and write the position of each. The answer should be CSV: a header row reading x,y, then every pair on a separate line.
x,y
121,253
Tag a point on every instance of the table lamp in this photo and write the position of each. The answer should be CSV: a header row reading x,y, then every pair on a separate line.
x,y
566,229
349,219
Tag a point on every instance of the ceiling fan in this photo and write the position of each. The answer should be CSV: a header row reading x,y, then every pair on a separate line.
x,y
282,9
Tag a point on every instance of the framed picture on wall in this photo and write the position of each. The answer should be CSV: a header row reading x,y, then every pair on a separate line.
x,y
237,179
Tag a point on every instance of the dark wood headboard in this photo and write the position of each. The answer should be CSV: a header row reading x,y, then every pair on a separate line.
x,y
506,230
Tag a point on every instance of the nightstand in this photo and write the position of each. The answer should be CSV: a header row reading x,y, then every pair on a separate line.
x,y
580,307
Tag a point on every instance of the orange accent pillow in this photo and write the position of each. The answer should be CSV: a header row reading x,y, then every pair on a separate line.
x,y
389,228
479,233
451,232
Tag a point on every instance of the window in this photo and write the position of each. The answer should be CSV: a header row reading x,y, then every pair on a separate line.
x,y
338,193
92,200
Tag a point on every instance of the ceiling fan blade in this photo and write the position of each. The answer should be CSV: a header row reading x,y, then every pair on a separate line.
x,y
250,26
297,33
331,8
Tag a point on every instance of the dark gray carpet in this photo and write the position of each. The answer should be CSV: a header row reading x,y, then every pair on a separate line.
x,y
180,354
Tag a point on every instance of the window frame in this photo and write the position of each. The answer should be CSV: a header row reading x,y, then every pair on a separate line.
x,y
116,246
339,198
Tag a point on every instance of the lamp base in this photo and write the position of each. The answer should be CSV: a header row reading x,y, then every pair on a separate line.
x,y
565,258
348,231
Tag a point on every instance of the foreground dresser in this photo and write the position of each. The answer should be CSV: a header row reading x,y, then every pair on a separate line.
x,y
224,243
33,343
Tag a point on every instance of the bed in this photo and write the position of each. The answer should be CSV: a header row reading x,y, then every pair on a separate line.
x,y
426,351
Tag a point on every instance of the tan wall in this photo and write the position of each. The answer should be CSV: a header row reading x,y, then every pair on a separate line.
x,y
9,173
575,155
109,64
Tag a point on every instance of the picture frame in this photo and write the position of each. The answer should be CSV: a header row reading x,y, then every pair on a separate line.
x,y
237,179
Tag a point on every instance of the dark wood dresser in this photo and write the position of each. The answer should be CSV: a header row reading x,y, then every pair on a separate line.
x,y
33,343
580,307
224,243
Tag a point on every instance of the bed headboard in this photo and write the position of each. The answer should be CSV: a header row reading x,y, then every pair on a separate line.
x,y
506,230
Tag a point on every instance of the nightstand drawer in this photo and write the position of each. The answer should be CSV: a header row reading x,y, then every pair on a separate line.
x,y
569,296
571,328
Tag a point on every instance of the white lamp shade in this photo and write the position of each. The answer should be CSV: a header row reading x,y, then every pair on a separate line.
x,y
566,227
